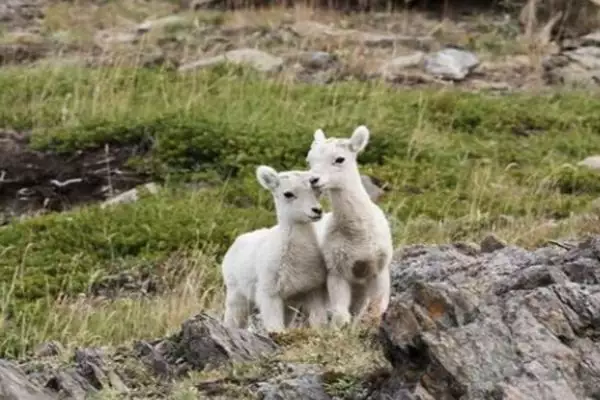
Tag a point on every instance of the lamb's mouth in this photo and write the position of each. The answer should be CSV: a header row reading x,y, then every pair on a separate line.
x,y
315,218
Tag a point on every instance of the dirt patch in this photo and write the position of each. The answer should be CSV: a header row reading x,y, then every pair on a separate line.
x,y
35,181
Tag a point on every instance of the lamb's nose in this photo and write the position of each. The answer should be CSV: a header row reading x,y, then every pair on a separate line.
x,y
314,180
317,210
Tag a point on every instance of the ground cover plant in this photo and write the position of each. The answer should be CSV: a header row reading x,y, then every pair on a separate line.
x,y
456,165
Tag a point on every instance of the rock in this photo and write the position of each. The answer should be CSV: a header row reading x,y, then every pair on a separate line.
x,y
205,342
202,343
21,13
14,385
128,284
106,39
20,53
130,196
592,162
308,386
49,349
451,63
510,324
591,39
203,63
575,64
62,62
316,59
161,23
256,59
89,374
398,66
491,243
316,30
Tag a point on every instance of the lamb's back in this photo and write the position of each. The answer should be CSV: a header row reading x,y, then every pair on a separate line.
x,y
241,260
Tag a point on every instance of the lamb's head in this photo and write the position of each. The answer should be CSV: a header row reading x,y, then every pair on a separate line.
x,y
333,162
295,200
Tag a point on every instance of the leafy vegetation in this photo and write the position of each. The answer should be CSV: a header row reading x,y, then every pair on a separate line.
x,y
457,164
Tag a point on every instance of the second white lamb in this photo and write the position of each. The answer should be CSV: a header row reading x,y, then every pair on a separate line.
x,y
281,268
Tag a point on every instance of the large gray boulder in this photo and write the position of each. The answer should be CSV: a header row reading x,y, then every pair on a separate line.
x,y
504,324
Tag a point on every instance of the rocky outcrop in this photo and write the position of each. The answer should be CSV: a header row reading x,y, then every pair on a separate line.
x,y
504,324
466,321
202,343
577,63
14,384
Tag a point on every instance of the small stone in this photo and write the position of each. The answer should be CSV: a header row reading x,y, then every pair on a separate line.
x,y
116,382
468,248
398,66
317,30
49,349
259,60
451,63
308,386
492,243
106,39
592,39
316,59
592,162
130,196
161,23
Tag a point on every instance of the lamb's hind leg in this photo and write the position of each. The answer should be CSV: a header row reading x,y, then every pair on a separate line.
x,y
316,305
360,301
237,310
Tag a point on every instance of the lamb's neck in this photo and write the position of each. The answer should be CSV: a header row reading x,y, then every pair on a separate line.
x,y
294,233
350,204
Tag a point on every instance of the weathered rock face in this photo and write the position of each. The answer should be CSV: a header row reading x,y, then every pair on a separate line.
x,y
578,62
506,324
202,343
14,385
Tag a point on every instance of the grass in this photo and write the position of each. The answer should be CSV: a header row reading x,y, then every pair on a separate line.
x,y
458,165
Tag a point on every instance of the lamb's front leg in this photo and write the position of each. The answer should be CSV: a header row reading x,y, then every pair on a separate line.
x,y
340,293
271,311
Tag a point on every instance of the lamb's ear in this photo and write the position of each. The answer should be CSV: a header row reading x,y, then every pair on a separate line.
x,y
359,139
267,177
319,136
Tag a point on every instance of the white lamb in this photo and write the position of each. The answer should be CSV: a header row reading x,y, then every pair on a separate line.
x,y
282,267
355,237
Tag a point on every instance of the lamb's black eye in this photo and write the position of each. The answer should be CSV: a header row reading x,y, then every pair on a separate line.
x,y
288,195
339,160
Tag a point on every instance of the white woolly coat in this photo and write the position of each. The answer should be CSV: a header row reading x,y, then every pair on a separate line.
x,y
281,261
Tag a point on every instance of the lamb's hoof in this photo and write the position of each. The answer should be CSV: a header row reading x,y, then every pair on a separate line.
x,y
340,320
